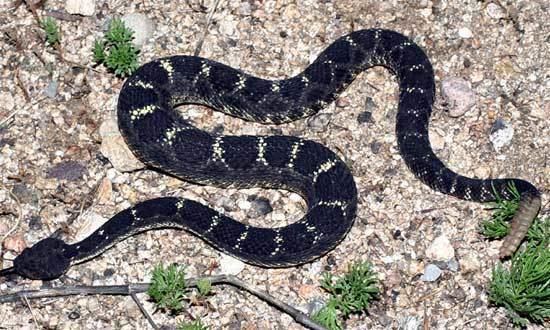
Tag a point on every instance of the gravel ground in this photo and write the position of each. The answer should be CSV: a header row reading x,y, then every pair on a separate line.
x,y
51,160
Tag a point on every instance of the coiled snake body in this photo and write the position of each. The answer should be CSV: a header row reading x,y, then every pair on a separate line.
x,y
162,139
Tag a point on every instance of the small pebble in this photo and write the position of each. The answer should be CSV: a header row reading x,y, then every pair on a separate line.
x,y
227,203
244,205
245,9
470,263
109,272
35,222
495,11
80,7
465,33
319,122
142,26
14,243
431,273
375,147
452,265
74,315
370,105
396,234
502,133
260,207
230,265
440,249
365,117
51,89
458,94
410,323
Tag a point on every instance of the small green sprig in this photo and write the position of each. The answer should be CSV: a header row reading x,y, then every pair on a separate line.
x,y
498,226
328,315
116,49
352,293
168,288
204,287
53,36
195,325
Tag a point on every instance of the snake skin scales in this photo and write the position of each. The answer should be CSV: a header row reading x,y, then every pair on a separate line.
x,y
162,139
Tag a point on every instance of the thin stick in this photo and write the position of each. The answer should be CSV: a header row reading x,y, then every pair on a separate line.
x,y
32,312
129,289
205,30
143,310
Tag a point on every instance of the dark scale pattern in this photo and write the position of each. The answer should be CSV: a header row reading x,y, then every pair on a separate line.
x,y
161,139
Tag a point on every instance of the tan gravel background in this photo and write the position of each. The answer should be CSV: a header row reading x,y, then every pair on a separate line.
x,y
500,47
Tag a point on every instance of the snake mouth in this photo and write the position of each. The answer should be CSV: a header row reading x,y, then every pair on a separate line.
x,y
528,208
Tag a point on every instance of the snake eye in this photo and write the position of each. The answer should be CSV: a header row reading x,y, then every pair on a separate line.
x,y
45,260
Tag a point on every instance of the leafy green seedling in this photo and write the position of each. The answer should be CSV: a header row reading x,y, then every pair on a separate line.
x,y
204,287
498,226
168,287
53,36
116,50
352,293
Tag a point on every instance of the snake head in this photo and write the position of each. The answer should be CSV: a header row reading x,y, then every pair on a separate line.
x,y
46,260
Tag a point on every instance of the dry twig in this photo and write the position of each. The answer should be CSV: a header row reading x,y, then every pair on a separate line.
x,y
130,289
205,30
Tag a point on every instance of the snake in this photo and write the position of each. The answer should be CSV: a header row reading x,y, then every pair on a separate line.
x,y
163,139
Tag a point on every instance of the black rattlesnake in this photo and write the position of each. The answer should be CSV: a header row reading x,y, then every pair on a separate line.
x,y
163,140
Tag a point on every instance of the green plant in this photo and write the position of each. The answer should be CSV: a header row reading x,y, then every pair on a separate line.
x,y
539,231
351,293
498,226
116,50
168,287
524,289
53,36
195,325
204,287
328,316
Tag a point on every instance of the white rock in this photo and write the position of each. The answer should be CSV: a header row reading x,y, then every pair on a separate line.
x,y
230,265
228,26
440,249
470,263
80,7
495,11
458,94
115,149
431,273
244,205
502,133
142,26
465,33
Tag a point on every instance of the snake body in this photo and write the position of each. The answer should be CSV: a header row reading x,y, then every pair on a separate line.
x,y
162,139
